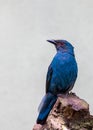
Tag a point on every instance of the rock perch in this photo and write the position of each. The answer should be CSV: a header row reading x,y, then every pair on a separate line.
x,y
69,113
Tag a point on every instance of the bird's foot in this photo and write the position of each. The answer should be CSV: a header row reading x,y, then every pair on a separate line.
x,y
71,93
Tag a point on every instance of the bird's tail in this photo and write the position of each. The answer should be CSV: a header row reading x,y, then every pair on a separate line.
x,y
45,107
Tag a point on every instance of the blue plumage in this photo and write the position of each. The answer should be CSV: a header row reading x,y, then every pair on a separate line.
x,y
61,76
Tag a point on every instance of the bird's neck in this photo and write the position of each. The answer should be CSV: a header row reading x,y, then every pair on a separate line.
x,y
69,51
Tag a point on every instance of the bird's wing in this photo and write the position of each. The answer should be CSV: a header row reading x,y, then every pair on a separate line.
x,y
49,77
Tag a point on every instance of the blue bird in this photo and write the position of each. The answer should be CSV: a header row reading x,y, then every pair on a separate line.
x,y
61,76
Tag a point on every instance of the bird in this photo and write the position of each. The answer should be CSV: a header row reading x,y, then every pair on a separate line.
x,y
61,77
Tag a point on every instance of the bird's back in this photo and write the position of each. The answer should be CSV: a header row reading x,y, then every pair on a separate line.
x,y
64,73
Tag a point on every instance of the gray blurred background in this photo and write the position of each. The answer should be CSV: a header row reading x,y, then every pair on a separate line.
x,y
25,25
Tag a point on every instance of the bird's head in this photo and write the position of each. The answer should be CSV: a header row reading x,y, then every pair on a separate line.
x,y
62,45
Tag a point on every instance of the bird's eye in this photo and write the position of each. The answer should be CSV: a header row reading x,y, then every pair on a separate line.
x,y
62,43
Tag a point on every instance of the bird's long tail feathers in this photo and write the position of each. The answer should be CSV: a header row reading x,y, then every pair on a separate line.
x,y
45,107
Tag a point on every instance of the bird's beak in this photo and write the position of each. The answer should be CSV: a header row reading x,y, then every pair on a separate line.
x,y
52,41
